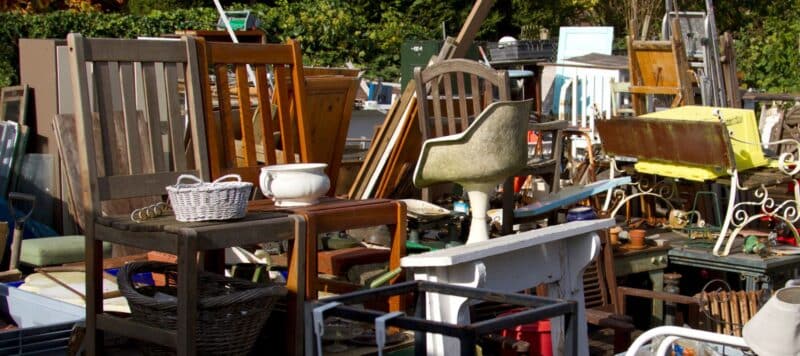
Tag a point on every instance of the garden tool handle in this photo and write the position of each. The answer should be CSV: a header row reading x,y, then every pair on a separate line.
x,y
20,196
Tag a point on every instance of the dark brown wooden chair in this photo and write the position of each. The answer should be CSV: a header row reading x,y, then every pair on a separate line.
x,y
137,103
451,93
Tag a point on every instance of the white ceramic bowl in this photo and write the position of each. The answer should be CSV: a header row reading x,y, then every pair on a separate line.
x,y
294,184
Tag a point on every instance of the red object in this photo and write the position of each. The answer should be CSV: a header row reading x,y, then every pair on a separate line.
x,y
533,137
788,240
537,334
518,182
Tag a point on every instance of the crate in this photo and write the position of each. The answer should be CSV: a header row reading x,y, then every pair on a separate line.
x,y
44,324
510,51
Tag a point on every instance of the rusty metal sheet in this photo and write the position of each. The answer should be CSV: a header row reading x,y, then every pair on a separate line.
x,y
701,143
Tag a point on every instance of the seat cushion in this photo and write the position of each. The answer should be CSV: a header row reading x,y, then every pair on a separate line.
x,y
56,250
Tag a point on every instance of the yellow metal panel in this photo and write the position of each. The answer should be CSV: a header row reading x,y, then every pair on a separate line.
x,y
745,142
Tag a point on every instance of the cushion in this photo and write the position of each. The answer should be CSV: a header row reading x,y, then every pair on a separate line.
x,y
56,250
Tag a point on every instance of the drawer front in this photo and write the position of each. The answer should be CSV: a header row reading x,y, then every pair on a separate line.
x,y
640,263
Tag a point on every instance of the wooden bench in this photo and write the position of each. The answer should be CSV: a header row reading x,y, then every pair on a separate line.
x,y
706,144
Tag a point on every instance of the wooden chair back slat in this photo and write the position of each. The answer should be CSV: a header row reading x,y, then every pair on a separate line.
x,y
462,101
175,118
265,116
127,93
131,119
245,116
151,111
284,112
449,96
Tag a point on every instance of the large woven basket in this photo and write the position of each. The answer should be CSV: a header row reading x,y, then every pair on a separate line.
x,y
201,201
230,314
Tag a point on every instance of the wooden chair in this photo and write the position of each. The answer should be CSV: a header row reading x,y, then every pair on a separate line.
x,y
600,296
455,91
659,67
132,99
239,143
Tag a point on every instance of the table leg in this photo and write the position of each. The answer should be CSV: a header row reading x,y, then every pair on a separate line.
x,y
187,295
657,277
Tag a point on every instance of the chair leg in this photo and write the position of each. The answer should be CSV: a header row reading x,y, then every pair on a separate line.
x,y
622,339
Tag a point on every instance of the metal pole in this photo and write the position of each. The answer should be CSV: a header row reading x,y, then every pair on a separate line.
x,y
250,74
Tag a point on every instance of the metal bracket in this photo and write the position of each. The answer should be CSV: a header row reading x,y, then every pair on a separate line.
x,y
319,322
380,329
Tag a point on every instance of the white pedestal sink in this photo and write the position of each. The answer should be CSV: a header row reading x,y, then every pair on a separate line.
x,y
556,255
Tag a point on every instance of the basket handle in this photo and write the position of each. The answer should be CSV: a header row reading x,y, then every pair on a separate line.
x,y
192,177
227,176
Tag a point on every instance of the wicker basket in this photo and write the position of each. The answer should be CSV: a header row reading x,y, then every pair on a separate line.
x,y
201,201
230,314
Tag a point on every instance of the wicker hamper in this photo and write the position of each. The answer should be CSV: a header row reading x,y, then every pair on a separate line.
x,y
230,314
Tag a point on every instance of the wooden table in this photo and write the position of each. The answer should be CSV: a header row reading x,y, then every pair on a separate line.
x,y
264,222
758,272
184,240
652,260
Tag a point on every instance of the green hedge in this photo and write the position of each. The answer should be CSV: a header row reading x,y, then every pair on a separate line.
x,y
335,32
332,32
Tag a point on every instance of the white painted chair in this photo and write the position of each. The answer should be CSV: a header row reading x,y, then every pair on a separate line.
x,y
556,255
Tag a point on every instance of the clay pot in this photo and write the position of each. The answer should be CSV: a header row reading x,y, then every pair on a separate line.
x,y
637,238
613,235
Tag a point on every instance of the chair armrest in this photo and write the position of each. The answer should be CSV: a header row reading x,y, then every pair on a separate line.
x,y
548,126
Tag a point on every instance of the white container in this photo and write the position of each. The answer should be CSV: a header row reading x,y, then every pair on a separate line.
x,y
294,184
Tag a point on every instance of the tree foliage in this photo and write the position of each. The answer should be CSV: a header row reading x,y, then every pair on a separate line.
x,y
369,33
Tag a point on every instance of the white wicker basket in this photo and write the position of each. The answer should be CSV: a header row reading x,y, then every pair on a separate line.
x,y
201,201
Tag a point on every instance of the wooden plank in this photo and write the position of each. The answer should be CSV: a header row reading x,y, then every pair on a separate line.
x,y
336,262
137,185
152,116
105,49
105,110
664,46
245,115
265,116
654,90
213,137
130,117
226,120
282,98
248,53
177,125
480,9
330,106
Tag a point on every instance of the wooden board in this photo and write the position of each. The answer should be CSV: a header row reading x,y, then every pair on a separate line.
x,y
336,262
